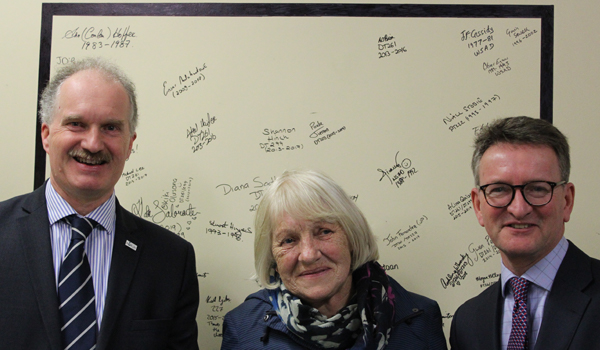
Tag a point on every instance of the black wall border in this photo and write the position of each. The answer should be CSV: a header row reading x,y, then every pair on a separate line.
x,y
49,10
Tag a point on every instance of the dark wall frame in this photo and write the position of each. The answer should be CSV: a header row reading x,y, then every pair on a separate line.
x,y
49,10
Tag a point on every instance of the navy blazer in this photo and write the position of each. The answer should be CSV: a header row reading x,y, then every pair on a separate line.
x,y
152,293
255,325
571,315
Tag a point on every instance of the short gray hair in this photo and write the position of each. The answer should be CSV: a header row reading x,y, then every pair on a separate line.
x,y
309,195
522,131
110,70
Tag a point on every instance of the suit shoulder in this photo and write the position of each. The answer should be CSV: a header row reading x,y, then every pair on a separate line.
x,y
18,206
572,270
13,204
486,297
595,267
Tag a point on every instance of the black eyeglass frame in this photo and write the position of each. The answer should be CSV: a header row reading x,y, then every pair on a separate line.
x,y
521,187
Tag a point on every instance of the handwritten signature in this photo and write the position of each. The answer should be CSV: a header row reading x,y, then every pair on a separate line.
x,y
90,33
159,213
399,172
453,279
201,137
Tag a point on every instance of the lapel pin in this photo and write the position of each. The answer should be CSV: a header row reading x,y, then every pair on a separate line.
x,y
131,245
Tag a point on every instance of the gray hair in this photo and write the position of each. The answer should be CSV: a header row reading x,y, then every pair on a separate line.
x,y
522,131
50,94
309,195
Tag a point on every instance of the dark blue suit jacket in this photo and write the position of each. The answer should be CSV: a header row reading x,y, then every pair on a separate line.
x,y
152,293
571,315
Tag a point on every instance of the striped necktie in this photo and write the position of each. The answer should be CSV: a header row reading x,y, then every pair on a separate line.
x,y
77,301
518,333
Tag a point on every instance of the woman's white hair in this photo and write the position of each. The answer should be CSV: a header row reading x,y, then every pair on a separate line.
x,y
308,195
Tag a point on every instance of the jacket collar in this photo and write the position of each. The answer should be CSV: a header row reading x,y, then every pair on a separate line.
x,y
490,313
127,248
405,308
35,240
566,302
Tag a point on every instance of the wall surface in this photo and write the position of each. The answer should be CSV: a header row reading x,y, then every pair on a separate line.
x,y
576,74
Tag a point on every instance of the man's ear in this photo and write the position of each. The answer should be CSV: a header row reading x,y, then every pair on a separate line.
x,y
133,137
477,205
569,193
45,135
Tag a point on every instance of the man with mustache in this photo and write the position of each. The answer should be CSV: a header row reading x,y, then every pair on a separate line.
x,y
78,271
548,296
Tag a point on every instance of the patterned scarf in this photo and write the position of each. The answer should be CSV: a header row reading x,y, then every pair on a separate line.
x,y
374,310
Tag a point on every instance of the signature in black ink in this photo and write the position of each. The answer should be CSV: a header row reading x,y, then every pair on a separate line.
x,y
92,33
158,214
228,230
471,111
186,81
322,133
453,279
201,137
399,172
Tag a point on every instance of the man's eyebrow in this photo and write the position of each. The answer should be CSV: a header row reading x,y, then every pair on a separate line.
x,y
75,117
70,118
114,121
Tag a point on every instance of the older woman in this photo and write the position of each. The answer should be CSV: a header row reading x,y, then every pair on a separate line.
x,y
316,257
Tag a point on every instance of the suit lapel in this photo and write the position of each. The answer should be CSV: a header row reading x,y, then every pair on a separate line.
x,y
565,304
123,265
488,327
34,229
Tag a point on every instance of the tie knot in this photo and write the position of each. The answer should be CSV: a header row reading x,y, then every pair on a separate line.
x,y
80,227
520,287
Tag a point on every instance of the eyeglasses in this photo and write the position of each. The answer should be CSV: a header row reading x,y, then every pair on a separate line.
x,y
536,193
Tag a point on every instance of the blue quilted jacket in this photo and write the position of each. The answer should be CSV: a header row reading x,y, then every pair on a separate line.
x,y
255,325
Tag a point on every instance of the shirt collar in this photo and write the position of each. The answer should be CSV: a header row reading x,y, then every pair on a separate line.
x,y
58,208
543,272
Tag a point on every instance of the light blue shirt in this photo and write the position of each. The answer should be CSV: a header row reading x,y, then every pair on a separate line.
x,y
541,276
98,246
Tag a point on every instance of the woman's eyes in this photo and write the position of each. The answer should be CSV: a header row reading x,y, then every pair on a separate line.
x,y
319,231
326,231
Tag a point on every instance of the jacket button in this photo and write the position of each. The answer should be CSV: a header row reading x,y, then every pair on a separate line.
x,y
266,318
415,310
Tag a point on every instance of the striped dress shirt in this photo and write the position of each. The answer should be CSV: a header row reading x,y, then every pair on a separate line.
x,y
98,246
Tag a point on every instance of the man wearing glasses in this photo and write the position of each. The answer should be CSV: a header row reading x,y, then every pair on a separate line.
x,y
548,296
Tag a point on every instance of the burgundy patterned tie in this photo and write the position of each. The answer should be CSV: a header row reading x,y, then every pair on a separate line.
x,y
518,333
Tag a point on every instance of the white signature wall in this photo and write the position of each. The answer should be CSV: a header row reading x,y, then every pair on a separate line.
x,y
387,107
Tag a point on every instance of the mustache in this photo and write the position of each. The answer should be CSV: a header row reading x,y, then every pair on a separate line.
x,y
84,156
